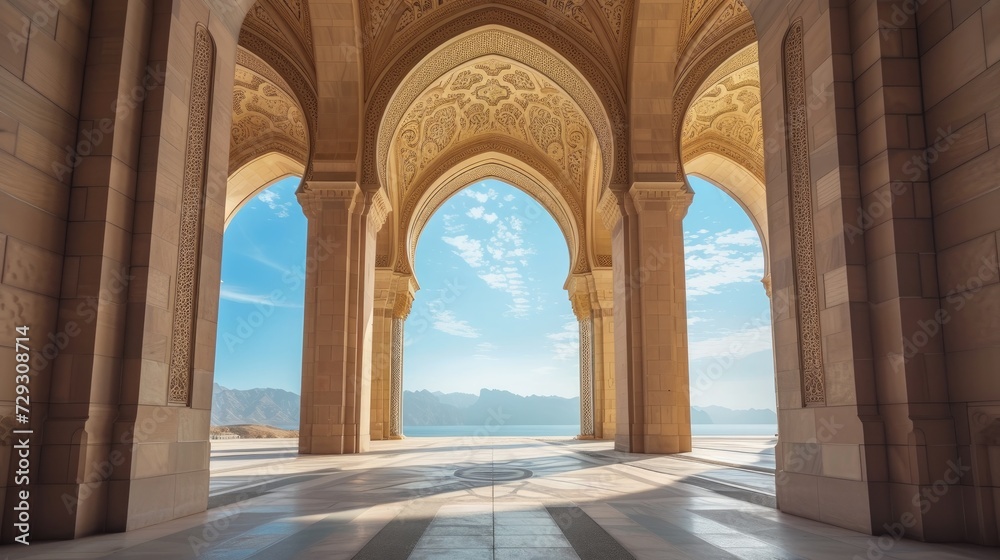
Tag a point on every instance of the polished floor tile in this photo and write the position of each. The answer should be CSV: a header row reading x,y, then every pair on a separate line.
x,y
491,499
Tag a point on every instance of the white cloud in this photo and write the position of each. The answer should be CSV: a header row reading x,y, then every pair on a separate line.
x,y
271,198
722,259
738,344
480,196
747,237
446,322
479,213
239,295
471,250
508,197
566,343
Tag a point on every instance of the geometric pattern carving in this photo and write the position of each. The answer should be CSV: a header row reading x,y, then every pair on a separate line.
x,y
404,23
266,118
696,73
586,377
191,210
803,236
426,77
720,15
488,97
413,71
726,118
396,379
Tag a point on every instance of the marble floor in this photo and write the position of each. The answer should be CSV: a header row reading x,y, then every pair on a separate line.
x,y
492,498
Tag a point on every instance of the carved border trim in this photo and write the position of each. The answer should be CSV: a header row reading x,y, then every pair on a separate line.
x,y
801,207
192,206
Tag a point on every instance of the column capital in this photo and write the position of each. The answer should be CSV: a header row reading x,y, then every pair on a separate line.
x,y
677,194
405,290
766,281
312,194
579,288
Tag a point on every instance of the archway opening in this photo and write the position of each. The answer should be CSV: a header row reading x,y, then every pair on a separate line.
x,y
491,343
258,356
729,328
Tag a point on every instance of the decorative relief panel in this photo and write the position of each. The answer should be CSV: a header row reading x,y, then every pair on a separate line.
x,y
725,118
191,211
266,118
586,377
494,97
385,118
803,237
580,20
396,379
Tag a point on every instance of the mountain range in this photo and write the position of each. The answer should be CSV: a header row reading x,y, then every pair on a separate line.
x,y
279,408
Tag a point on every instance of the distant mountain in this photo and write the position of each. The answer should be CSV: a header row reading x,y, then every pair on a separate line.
x,y
278,408
270,407
723,415
460,400
699,416
423,408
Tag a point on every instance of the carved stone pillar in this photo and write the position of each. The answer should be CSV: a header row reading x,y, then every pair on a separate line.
x,y
581,307
393,298
600,283
401,309
396,381
339,309
650,311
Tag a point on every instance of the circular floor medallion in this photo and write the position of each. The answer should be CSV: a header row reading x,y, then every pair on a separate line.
x,y
493,474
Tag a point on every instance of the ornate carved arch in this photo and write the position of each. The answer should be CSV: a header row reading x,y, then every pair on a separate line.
x,y
590,87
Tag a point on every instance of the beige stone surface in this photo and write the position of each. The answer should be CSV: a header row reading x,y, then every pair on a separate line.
x,y
861,138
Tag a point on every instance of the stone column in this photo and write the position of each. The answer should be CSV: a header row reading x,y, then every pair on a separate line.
x,y
581,307
339,303
602,315
393,297
650,311
401,309
396,381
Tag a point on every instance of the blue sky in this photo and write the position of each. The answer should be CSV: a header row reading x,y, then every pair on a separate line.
x,y
491,311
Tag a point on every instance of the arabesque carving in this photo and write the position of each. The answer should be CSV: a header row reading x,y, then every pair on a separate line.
x,y
471,103
803,236
266,118
726,118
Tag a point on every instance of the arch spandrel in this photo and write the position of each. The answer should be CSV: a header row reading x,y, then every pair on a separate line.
x,y
597,96
518,51
725,116
488,98
498,166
